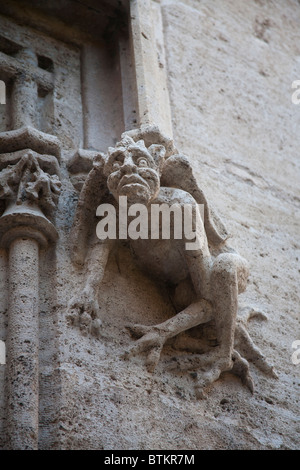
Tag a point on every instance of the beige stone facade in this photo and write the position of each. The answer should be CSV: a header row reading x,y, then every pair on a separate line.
x,y
203,92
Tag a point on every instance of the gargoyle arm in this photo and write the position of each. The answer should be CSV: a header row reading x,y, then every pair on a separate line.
x,y
96,263
83,309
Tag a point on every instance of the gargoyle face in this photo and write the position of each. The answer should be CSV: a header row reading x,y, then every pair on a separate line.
x,y
134,171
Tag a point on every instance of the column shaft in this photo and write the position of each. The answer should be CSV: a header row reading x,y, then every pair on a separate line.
x,y
22,344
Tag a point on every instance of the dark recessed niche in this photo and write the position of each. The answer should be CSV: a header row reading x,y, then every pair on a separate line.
x,y
45,63
42,92
9,47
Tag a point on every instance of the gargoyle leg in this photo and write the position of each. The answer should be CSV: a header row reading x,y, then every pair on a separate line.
x,y
152,338
228,277
224,294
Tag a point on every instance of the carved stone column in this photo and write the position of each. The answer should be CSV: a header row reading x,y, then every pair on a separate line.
x,y
29,190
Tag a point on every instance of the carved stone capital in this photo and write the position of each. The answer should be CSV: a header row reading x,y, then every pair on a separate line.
x,y
29,183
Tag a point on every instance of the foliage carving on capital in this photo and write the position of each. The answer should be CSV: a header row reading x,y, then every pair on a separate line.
x,y
26,181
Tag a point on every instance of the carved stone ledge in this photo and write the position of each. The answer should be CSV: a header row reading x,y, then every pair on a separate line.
x,y
26,222
25,232
48,163
28,137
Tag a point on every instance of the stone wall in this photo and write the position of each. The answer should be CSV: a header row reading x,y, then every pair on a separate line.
x,y
230,70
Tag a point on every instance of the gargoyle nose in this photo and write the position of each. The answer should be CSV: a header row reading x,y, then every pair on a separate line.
x,y
129,165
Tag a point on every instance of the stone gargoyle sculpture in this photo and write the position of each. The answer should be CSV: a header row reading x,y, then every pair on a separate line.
x,y
204,281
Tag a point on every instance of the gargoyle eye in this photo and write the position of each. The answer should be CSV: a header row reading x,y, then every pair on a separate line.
x,y
116,165
142,162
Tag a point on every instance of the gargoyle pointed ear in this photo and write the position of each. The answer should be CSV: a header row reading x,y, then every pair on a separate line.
x,y
158,153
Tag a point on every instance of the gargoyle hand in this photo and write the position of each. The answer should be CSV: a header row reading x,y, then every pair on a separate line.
x,y
83,311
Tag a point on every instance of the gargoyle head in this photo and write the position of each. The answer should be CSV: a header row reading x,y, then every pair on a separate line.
x,y
133,170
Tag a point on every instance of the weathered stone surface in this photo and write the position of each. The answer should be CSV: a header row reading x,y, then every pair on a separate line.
x,y
240,59
229,67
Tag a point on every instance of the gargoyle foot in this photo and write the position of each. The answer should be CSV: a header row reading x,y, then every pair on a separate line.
x,y
151,342
240,368
208,376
